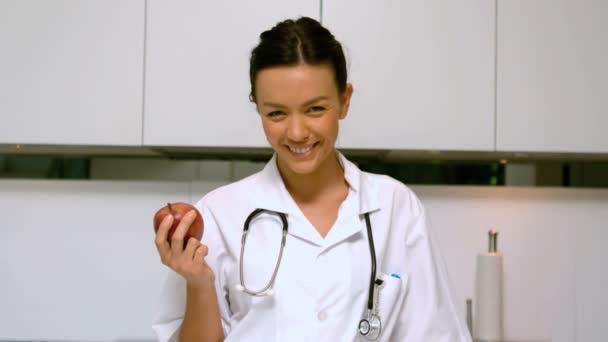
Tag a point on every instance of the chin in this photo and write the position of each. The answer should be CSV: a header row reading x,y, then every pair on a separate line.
x,y
300,168
303,169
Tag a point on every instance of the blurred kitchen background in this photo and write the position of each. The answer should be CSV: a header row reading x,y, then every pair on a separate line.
x,y
494,111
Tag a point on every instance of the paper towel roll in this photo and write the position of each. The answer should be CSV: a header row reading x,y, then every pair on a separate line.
x,y
488,297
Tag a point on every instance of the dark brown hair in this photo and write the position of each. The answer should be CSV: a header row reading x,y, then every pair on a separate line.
x,y
292,42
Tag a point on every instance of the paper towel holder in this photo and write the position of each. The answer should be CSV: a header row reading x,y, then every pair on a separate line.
x,y
487,325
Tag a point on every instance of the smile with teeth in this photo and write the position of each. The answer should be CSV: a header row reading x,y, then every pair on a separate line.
x,y
301,150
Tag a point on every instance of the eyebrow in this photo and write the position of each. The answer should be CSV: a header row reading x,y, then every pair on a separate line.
x,y
307,103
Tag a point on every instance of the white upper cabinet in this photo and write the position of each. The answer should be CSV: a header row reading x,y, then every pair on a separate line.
x,y
197,69
71,72
422,71
552,93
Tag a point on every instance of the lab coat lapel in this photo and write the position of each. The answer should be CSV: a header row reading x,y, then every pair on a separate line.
x,y
273,195
364,200
346,226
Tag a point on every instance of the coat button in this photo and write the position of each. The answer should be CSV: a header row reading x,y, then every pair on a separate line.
x,y
322,316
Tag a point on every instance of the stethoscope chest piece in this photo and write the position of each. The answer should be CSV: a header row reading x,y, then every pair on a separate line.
x,y
370,328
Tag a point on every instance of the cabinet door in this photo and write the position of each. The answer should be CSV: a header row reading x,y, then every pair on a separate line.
x,y
422,72
197,69
71,72
552,93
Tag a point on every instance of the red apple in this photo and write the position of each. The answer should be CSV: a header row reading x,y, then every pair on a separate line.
x,y
179,210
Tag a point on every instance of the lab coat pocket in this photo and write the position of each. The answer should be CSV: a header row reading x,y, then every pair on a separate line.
x,y
259,324
391,296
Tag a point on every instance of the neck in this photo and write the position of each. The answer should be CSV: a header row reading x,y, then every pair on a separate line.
x,y
308,187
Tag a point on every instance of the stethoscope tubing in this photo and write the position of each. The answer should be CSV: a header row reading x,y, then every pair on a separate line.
x,y
284,223
372,251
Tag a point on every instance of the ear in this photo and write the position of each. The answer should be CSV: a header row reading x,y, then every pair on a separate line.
x,y
345,100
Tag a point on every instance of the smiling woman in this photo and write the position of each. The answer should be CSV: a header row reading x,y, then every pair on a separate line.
x,y
359,260
300,109
298,83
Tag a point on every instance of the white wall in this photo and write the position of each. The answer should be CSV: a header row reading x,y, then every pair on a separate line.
x,y
78,260
552,240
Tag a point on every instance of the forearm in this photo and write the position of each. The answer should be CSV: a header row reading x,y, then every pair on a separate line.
x,y
202,317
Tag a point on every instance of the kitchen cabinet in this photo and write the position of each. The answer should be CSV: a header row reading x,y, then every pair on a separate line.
x,y
197,69
422,71
552,72
71,72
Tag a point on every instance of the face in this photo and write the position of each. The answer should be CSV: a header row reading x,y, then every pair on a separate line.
x,y
300,107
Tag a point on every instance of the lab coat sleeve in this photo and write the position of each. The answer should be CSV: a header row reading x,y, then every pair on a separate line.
x,y
428,312
172,306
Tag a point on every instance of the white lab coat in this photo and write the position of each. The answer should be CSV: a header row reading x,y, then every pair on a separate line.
x,y
321,288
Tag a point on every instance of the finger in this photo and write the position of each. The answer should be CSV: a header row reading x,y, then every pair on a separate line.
x,y
199,254
177,241
205,249
163,229
161,235
191,247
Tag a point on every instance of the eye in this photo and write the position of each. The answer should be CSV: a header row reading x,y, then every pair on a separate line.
x,y
275,114
316,109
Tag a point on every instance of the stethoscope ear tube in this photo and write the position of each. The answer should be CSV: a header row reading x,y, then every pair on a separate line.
x,y
266,291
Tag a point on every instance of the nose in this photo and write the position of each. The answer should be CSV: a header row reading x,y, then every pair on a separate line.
x,y
297,128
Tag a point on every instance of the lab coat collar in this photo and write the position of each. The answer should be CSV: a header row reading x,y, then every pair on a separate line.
x,y
274,195
363,197
366,194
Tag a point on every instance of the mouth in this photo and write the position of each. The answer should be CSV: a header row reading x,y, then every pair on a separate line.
x,y
302,151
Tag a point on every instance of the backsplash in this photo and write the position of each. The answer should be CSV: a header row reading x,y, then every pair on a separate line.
x,y
56,289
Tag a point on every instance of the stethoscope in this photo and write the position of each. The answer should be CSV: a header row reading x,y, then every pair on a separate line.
x,y
370,326
267,290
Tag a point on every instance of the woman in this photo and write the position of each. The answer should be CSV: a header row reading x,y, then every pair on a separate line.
x,y
323,285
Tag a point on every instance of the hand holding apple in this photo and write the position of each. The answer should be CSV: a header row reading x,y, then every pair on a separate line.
x,y
181,221
178,210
